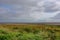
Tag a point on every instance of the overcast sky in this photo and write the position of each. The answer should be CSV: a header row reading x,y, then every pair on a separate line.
x,y
29,10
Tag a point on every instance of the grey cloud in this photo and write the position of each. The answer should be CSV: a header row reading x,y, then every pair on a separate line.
x,y
51,7
57,16
29,10
20,2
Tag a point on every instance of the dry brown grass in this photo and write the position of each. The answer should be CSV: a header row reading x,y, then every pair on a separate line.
x,y
16,28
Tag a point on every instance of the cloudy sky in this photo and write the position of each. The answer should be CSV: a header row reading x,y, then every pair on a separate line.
x,y
29,10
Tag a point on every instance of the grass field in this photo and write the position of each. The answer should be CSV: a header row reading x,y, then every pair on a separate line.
x,y
29,32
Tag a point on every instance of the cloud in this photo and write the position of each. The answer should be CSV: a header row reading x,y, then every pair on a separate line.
x,y
28,10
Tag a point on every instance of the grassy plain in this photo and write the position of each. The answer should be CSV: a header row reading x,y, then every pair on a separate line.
x,y
29,32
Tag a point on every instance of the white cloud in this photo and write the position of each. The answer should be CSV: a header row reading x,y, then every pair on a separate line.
x,y
32,10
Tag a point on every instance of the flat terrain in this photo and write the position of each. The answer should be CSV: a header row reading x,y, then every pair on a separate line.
x,y
29,32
